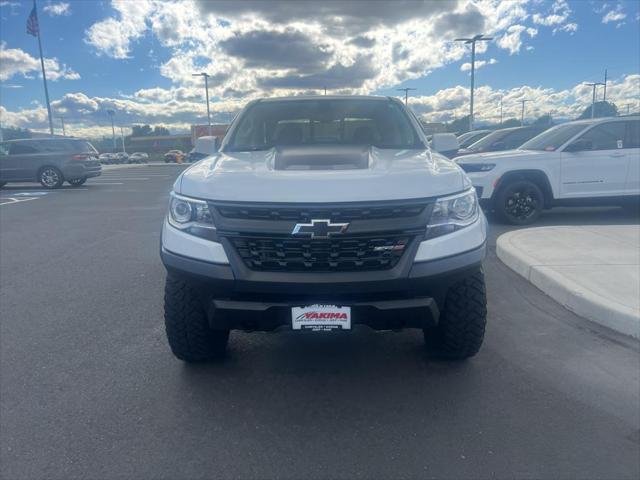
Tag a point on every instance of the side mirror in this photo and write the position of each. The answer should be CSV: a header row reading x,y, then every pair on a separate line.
x,y
445,143
580,145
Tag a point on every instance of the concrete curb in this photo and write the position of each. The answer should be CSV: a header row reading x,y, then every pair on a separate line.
x,y
574,296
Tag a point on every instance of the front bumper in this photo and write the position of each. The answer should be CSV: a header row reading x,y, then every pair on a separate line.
x,y
264,302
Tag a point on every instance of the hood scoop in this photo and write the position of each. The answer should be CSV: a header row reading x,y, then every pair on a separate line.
x,y
322,157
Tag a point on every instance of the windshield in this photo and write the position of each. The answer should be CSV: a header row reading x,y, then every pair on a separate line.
x,y
553,138
486,142
470,138
320,122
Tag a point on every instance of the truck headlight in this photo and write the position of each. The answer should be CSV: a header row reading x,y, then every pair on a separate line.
x,y
453,213
190,214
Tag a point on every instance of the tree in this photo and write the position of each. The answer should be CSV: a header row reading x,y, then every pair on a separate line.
x,y
141,131
544,120
160,131
460,125
602,109
511,122
12,133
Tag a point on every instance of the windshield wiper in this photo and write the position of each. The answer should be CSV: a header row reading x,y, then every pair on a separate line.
x,y
249,148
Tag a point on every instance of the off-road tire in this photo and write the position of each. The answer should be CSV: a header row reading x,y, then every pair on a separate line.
x,y
516,191
76,182
185,318
460,331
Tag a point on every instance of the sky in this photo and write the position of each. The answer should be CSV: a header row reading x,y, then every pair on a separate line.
x,y
137,57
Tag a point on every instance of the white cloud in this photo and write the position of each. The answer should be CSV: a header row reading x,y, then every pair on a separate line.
x,y
512,40
566,104
335,44
178,108
465,67
114,35
57,9
614,16
14,61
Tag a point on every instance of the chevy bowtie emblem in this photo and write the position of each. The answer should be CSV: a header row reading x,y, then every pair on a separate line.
x,y
319,229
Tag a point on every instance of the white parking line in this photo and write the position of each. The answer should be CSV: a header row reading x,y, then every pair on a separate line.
x,y
125,178
107,183
13,201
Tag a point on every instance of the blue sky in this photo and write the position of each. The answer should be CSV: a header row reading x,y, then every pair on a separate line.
x,y
136,57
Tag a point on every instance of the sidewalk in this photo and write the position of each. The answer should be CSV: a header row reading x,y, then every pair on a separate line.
x,y
593,271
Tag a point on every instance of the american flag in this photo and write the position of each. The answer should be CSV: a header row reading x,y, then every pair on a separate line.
x,y
32,23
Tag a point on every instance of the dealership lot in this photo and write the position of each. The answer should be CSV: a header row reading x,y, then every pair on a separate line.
x,y
90,389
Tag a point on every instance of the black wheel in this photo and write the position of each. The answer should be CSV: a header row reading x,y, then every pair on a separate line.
x,y
185,318
76,182
460,331
519,202
50,177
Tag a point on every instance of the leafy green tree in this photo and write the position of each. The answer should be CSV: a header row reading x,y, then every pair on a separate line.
x,y
511,122
159,131
141,131
602,109
460,125
12,133
544,120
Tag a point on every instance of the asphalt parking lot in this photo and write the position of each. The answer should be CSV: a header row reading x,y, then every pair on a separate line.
x,y
89,388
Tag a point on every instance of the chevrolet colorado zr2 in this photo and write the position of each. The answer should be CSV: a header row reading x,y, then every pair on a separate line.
x,y
322,213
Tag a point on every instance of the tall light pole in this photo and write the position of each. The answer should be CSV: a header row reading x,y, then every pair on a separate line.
x,y
113,128
604,97
406,93
64,134
472,41
206,88
593,97
500,110
522,111
122,137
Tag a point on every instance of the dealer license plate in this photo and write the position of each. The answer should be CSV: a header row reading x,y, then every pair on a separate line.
x,y
320,318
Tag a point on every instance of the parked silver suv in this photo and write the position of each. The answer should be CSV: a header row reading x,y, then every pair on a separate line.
x,y
49,161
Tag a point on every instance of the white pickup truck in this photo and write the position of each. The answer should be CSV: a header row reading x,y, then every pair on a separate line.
x,y
587,162
322,213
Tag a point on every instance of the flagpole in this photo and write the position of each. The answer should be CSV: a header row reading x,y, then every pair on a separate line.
x,y
44,76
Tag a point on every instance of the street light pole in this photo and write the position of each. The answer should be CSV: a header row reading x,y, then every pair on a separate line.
x,y
593,96
64,134
522,112
122,137
206,87
472,41
113,128
406,93
500,110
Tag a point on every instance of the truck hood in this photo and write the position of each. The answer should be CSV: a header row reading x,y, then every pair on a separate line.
x,y
505,154
383,175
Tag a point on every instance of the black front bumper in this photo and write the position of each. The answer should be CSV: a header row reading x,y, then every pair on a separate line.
x,y
409,297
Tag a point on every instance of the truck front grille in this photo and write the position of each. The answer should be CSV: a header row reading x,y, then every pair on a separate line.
x,y
331,255
304,214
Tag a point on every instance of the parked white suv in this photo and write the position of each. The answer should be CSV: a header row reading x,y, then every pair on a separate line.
x,y
587,162
321,213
